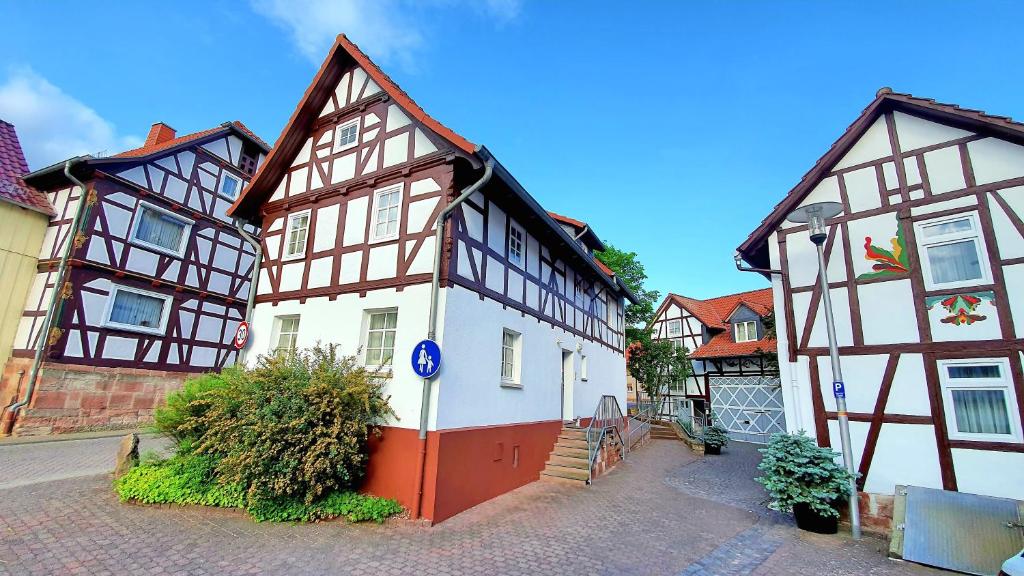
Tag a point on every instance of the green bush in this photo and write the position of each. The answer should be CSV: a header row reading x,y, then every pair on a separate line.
x,y
796,470
716,436
177,419
191,479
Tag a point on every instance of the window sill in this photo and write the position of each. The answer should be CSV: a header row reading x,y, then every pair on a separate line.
x,y
512,385
293,257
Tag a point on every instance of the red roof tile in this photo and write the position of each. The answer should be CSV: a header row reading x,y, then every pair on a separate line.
x,y
722,345
566,220
147,150
715,312
12,167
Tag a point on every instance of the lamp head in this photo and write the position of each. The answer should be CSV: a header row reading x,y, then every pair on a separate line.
x,y
814,215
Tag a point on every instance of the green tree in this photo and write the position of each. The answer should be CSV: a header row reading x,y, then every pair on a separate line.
x,y
657,366
627,266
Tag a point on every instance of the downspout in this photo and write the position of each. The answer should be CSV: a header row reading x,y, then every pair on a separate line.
x,y
435,296
586,228
251,302
58,286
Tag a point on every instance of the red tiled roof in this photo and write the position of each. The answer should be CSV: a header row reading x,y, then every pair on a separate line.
x,y
286,143
12,167
885,99
715,312
147,150
566,220
722,345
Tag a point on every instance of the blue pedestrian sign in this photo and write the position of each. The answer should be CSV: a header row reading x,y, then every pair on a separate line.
x,y
426,358
838,390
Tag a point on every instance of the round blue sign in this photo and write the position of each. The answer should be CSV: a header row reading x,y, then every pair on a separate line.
x,y
426,358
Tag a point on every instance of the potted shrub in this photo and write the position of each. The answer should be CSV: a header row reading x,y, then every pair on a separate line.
x,y
803,477
715,438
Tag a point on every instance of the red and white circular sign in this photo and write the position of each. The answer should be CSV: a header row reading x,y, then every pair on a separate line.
x,y
242,335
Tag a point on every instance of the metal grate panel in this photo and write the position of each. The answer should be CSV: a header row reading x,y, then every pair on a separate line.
x,y
749,407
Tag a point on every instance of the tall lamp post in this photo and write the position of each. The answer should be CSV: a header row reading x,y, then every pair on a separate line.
x,y
814,215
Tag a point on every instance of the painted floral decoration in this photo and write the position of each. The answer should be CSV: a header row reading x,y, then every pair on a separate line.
x,y
887,263
962,308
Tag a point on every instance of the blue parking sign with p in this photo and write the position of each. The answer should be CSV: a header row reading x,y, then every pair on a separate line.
x,y
426,358
838,390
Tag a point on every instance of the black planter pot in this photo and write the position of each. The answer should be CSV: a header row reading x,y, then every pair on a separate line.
x,y
809,520
712,449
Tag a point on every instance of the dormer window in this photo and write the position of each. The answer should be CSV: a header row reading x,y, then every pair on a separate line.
x,y
745,331
347,135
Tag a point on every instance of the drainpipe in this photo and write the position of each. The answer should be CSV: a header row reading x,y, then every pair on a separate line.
x,y
586,228
58,286
435,295
251,302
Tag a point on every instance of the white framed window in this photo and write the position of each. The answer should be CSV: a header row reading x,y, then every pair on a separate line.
x,y
515,245
953,252
745,331
584,367
160,229
286,334
137,310
511,352
381,327
295,235
230,185
387,213
979,400
677,343
675,328
347,135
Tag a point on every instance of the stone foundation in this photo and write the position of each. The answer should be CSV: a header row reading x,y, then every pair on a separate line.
x,y
75,398
875,513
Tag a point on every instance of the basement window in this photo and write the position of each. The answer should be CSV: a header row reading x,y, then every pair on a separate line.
x,y
979,400
137,310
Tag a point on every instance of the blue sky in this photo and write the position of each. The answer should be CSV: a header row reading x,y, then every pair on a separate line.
x,y
672,127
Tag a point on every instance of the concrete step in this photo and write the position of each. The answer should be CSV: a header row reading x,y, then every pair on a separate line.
x,y
569,443
566,472
559,480
568,462
574,433
570,452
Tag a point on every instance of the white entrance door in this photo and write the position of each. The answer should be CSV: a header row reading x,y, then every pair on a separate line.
x,y
568,376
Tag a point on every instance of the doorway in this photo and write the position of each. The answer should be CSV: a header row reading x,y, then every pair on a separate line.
x,y
568,376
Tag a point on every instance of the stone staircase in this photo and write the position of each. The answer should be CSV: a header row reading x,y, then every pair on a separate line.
x,y
663,432
569,460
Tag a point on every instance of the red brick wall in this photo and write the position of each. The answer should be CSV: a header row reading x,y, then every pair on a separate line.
x,y
875,513
74,398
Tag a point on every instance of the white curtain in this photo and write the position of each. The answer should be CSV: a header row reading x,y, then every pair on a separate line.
x,y
954,262
136,309
160,229
981,411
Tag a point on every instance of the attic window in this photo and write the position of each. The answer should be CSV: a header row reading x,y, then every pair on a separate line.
x,y
347,135
248,164
746,331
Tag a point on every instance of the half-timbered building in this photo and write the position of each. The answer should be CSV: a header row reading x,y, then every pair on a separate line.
x,y
157,280
925,270
731,348
530,323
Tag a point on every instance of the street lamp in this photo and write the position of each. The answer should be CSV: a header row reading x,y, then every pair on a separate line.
x,y
814,215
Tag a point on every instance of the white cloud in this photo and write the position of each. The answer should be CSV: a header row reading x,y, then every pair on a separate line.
x,y
52,125
387,30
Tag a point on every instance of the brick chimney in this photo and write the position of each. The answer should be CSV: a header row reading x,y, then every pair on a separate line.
x,y
159,134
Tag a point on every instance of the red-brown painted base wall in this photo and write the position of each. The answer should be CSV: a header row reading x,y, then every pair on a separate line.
x,y
74,398
464,466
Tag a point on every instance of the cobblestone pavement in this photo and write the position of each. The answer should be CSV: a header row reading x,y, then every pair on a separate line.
x,y
635,520
24,464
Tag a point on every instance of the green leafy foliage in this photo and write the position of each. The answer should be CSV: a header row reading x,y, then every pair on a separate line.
x,y
628,267
191,479
796,470
715,435
177,419
658,366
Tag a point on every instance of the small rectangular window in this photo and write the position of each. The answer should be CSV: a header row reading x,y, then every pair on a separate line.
x,y
584,368
675,328
515,245
230,185
160,230
387,204
979,399
380,337
295,235
287,334
952,252
137,310
347,135
510,352
746,331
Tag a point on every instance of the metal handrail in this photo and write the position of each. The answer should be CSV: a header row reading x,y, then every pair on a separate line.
x,y
607,418
639,425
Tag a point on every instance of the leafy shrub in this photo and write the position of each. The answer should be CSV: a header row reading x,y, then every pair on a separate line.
x,y
295,426
796,470
716,436
184,407
191,479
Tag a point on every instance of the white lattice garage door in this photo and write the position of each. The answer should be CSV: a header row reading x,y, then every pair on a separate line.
x,y
749,407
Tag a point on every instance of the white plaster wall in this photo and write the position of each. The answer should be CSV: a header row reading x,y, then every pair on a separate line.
x,y
905,454
471,394
989,473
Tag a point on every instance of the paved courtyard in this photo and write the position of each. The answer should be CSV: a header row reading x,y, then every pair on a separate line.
x,y
658,513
